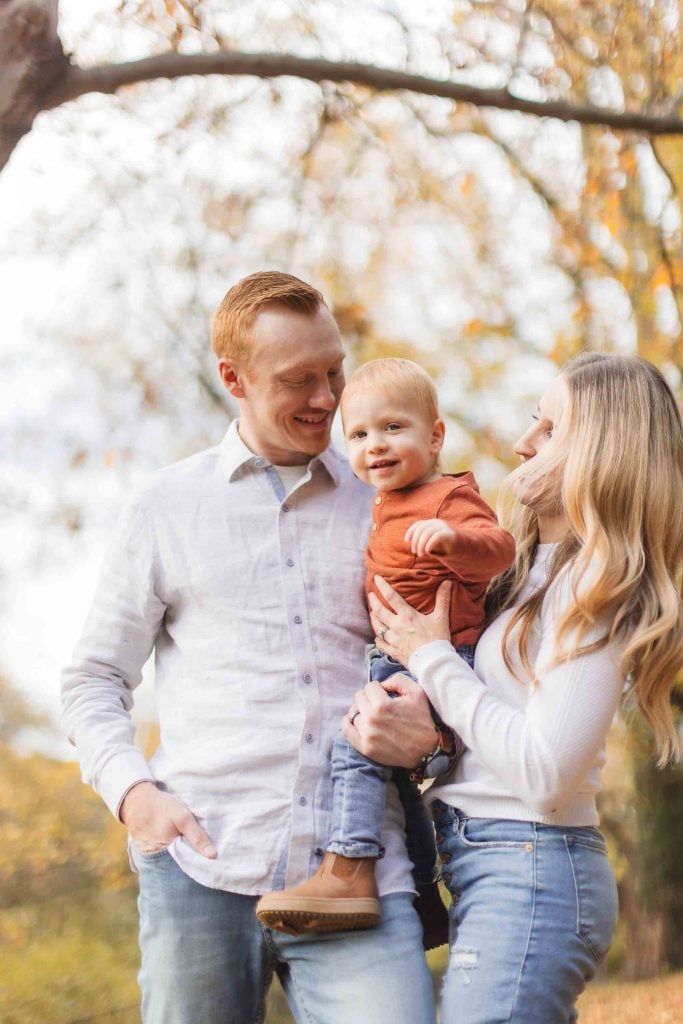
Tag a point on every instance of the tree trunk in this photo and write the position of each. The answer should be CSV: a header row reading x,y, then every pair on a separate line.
x,y
32,63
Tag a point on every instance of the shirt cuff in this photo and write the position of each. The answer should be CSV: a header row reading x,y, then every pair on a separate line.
x,y
423,657
451,685
119,775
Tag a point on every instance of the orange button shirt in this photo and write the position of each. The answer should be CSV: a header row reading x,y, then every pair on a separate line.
x,y
482,549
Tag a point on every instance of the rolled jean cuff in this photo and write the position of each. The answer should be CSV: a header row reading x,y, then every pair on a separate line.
x,y
357,850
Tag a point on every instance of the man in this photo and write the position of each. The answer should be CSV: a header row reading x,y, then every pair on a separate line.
x,y
242,567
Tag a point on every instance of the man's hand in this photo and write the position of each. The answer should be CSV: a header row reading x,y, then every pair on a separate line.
x,y
430,537
395,732
154,819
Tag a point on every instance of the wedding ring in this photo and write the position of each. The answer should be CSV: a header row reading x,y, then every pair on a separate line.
x,y
382,633
355,716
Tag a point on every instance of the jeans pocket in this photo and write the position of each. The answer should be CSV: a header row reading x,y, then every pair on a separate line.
x,y
597,903
497,834
149,857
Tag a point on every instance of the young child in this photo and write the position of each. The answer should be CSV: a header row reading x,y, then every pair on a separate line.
x,y
427,527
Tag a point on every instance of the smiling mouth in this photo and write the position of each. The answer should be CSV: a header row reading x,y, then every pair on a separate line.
x,y
312,421
383,464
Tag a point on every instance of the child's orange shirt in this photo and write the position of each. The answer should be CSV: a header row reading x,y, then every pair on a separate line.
x,y
482,549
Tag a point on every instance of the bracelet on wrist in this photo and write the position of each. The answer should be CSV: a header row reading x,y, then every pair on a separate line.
x,y
440,759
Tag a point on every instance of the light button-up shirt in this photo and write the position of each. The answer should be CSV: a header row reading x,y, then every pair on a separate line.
x,y
256,611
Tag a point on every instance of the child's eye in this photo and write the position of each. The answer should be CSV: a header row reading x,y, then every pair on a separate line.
x,y
393,426
357,435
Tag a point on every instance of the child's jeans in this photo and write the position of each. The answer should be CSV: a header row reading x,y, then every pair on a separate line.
x,y
360,794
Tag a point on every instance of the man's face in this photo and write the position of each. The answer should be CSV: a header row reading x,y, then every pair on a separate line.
x,y
290,389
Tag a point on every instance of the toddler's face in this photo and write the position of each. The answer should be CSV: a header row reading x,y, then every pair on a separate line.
x,y
392,444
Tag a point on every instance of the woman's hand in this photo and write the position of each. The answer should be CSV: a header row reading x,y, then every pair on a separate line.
x,y
400,632
396,732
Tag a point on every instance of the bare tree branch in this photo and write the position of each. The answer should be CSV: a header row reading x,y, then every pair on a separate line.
x,y
110,78
35,75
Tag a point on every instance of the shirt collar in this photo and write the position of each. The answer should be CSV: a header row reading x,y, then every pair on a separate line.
x,y
235,455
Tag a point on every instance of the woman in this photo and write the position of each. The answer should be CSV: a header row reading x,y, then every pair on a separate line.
x,y
594,597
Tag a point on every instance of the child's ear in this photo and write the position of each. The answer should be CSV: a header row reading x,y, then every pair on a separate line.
x,y
231,377
438,436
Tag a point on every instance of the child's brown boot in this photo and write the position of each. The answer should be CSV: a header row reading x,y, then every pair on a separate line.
x,y
341,896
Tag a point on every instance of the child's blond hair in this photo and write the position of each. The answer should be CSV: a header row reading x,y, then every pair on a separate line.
x,y
395,376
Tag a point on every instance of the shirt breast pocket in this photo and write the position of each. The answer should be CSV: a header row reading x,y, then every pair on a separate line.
x,y
393,550
341,589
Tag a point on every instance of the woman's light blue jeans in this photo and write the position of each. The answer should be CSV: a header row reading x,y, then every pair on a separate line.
x,y
207,960
533,913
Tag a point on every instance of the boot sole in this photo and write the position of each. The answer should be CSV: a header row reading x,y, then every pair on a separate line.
x,y
315,914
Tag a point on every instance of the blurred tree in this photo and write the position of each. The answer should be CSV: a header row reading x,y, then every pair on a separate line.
x,y
67,895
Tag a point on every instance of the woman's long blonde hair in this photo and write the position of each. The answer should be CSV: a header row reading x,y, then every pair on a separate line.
x,y
618,461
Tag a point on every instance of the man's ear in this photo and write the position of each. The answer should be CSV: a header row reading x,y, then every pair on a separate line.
x,y
438,436
231,377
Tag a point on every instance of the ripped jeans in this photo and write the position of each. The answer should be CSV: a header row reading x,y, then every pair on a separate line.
x,y
533,913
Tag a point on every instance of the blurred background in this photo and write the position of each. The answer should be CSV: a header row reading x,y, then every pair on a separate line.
x,y
489,245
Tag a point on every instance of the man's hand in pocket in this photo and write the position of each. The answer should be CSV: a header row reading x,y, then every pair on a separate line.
x,y
154,819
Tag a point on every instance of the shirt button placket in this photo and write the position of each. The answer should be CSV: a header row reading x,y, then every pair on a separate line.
x,y
308,769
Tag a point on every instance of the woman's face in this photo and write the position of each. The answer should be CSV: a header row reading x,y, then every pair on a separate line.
x,y
541,493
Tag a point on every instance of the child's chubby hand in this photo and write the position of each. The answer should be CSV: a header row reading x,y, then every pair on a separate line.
x,y
430,537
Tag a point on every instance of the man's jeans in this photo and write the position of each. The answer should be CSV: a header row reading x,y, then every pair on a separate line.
x,y
207,960
360,793
533,913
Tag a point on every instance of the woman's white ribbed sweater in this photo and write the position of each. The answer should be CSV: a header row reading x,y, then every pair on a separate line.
x,y
535,750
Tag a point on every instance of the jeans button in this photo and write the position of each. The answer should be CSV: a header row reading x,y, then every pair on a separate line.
x,y
445,858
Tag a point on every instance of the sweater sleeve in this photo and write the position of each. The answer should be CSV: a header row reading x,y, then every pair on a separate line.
x,y
106,667
540,753
483,548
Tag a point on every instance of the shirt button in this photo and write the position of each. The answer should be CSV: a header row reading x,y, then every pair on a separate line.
x,y
307,678
374,527
298,619
302,801
259,463
285,507
378,500
290,561
309,737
